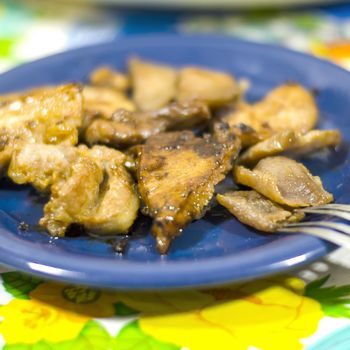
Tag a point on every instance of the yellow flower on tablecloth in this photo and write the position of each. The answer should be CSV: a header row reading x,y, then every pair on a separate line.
x,y
268,314
91,303
338,52
29,321
54,313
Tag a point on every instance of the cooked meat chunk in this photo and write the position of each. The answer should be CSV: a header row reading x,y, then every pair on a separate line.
x,y
292,143
132,155
153,85
276,144
73,197
255,210
315,140
118,203
49,115
287,107
244,114
126,129
90,187
177,175
104,156
284,181
214,88
106,76
5,157
246,134
103,101
41,165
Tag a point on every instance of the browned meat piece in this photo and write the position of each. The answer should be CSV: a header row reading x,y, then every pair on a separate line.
x,y
127,129
106,76
90,187
315,140
132,155
214,88
246,134
288,107
177,175
117,205
276,144
257,211
284,181
153,85
103,101
41,165
49,115
72,197
294,144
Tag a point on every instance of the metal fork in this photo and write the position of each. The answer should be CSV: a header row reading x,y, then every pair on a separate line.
x,y
335,232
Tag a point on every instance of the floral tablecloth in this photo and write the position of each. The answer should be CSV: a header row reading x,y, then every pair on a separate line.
x,y
309,309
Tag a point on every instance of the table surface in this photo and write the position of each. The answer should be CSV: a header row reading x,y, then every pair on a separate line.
x,y
309,309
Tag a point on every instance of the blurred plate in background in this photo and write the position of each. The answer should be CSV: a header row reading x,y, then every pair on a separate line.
x,y
202,4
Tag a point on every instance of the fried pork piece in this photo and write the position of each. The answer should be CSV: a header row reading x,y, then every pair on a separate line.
x,y
293,143
132,155
246,134
49,115
153,85
106,76
273,145
103,101
287,107
125,129
41,165
90,187
117,205
255,210
284,181
72,197
315,140
214,88
177,174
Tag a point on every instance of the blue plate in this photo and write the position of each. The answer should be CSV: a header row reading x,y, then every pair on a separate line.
x,y
214,250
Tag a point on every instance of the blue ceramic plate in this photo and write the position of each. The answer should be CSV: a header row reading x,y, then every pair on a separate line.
x,y
214,250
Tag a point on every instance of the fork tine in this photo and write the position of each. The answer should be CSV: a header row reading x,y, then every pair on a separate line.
x,y
343,207
334,225
337,213
327,234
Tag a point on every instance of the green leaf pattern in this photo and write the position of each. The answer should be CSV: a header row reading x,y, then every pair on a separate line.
x,y
131,337
334,300
95,337
19,285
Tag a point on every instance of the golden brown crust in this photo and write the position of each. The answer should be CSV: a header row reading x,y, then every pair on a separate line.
x,y
284,181
103,101
125,129
50,115
255,210
287,107
213,87
177,175
291,143
153,85
106,76
89,187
